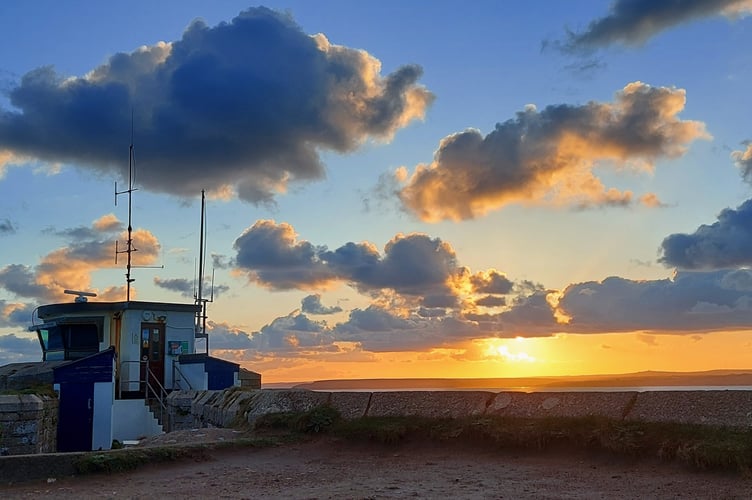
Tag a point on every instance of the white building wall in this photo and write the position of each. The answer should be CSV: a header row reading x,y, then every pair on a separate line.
x,y
179,330
104,396
130,350
132,420
196,375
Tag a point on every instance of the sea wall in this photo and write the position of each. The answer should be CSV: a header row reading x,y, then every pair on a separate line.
x,y
195,409
28,424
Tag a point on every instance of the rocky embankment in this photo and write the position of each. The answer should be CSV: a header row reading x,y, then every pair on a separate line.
x,y
192,409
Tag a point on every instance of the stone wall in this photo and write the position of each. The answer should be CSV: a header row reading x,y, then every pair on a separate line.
x,y
195,409
28,424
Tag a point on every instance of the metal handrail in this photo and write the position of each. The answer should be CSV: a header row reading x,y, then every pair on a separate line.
x,y
160,395
159,392
127,380
175,382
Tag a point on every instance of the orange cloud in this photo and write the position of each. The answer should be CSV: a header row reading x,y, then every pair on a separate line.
x,y
71,267
549,157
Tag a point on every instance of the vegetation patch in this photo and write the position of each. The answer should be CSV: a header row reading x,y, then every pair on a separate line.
x,y
700,446
127,459
317,420
37,390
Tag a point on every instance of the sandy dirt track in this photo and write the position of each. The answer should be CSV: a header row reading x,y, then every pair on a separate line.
x,y
324,469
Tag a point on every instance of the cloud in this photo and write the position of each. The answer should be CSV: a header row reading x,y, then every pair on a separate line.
x,y
423,299
724,244
187,288
647,339
743,161
633,22
273,257
294,333
15,314
223,336
491,301
691,302
548,157
243,107
379,330
492,282
412,265
529,316
220,261
311,304
70,267
184,287
7,227
15,349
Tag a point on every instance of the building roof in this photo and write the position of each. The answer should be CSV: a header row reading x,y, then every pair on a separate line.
x,y
52,310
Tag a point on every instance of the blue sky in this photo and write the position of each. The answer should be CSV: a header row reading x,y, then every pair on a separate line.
x,y
402,188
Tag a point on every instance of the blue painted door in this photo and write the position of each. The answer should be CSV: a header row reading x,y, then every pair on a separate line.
x,y
76,416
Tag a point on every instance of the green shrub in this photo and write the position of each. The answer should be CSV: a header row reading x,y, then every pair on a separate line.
x,y
318,419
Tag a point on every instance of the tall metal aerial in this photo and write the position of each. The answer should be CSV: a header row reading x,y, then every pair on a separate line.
x,y
200,300
129,249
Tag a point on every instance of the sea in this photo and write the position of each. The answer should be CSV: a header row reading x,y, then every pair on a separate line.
x,y
656,388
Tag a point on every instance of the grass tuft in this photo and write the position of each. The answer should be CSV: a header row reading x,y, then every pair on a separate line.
x,y
316,420
700,446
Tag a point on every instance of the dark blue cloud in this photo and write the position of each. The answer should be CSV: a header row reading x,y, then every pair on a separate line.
x,y
312,305
274,258
15,315
15,349
222,336
690,302
294,333
187,288
632,22
724,244
491,301
246,104
492,282
7,227
412,265
21,280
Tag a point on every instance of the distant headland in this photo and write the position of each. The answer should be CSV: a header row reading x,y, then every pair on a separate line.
x,y
714,378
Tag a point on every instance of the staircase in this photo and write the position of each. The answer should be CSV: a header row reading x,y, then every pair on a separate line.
x,y
158,413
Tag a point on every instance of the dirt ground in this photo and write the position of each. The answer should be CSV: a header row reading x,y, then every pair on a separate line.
x,y
328,469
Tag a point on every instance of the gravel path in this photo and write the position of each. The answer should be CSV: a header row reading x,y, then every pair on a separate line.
x,y
328,469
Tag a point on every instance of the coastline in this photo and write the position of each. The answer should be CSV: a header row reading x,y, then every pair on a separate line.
x,y
533,389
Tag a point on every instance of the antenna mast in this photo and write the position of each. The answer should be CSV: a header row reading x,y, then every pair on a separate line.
x,y
200,300
129,249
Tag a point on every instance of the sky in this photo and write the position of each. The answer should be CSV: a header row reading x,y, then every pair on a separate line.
x,y
394,189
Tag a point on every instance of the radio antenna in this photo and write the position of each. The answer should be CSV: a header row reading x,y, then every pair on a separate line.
x,y
200,300
129,248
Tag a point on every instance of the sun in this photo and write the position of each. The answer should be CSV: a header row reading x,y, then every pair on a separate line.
x,y
508,350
